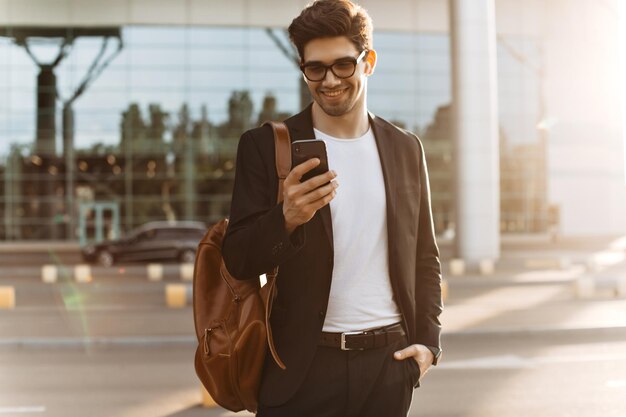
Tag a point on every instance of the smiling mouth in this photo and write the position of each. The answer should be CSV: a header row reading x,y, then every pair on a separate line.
x,y
334,93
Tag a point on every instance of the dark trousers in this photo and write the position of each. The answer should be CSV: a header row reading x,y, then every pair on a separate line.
x,y
357,383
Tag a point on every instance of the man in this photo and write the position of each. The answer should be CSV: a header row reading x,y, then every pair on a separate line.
x,y
356,315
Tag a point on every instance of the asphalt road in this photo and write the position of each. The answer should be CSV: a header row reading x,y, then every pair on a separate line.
x,y
542,375
110,347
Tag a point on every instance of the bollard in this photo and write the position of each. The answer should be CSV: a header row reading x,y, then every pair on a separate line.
x,y
585,287
176,295
457,267
486,267
155,272
186,272
49,274
7,298
444,289
207,400
82,273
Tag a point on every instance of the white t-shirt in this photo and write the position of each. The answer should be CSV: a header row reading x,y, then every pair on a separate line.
x,y
360,294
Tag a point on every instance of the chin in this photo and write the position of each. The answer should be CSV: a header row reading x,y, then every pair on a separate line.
x,y
337,110
334,112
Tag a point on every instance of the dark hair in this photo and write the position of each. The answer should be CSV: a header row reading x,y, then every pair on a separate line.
x,y
330,18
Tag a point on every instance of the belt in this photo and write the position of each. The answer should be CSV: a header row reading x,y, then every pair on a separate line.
x,y
366,339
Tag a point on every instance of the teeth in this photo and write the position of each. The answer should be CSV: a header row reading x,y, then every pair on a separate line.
x,y
333,93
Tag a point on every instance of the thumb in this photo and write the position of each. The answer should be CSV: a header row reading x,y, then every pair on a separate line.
x,y
402,354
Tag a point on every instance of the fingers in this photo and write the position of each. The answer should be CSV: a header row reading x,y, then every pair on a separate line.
x,y
316,205
298,171
294,190
319,180
302,200
300,196
406,352
315,200
419,352
296,174
319,193
419,355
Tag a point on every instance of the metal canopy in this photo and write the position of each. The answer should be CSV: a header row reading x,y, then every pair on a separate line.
x,y
21,33
48,95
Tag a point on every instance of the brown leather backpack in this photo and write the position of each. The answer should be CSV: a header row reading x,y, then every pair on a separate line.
x,y
232,316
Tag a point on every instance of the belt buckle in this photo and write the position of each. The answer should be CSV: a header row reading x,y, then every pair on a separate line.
x,y
343,339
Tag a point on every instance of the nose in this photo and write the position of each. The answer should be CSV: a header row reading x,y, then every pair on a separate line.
x,y
330,79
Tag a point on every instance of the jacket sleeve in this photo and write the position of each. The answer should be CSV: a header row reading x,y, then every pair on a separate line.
x,y
256,240
428,302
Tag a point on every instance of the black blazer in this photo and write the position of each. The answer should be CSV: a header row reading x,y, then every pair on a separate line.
x,y
256,241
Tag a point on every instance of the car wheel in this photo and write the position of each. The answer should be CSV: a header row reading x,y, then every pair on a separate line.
x,y
187,256
105,258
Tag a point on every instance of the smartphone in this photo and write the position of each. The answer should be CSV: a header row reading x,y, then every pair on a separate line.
x,y
303,150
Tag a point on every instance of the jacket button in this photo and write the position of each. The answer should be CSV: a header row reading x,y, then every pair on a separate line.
x,y
321,314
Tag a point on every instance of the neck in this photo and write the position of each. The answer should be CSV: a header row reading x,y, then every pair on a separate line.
x,y
353,124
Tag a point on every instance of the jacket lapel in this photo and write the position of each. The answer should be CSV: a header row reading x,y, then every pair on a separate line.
x,y
387,154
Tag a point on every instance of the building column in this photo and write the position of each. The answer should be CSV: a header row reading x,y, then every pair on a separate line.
x,y
475,127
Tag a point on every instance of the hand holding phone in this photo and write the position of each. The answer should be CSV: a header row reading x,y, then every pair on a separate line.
x,y
310,185
303,150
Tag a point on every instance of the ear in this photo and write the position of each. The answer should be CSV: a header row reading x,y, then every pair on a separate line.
x,y
370,62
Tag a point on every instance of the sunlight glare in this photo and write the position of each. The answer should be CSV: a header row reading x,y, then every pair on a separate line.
x,y
621,4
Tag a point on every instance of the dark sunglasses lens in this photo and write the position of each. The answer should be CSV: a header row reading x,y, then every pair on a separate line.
x,y
343,69
315,72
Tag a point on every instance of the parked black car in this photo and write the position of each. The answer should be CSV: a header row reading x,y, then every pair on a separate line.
x,y
154,241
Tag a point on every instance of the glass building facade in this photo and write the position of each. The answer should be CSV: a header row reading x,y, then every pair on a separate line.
x,y
104,130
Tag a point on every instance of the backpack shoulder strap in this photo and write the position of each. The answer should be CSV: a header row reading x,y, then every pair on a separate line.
x,y
282,143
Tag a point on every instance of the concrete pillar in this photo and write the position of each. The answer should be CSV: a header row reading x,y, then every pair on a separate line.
x,y
475,127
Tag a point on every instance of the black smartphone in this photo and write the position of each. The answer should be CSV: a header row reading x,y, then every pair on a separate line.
x,y
303,150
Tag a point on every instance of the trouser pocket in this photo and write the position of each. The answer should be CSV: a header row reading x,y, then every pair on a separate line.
x,y
414,372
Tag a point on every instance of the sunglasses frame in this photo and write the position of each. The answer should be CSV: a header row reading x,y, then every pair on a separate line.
x,y
354,61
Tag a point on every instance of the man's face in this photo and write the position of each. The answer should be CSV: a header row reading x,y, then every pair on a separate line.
x,y
336,96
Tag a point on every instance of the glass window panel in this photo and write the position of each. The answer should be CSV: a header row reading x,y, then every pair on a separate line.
x,y
208,67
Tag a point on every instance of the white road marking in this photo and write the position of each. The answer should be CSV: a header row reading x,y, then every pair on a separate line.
x,y
490,362
33,409
519,362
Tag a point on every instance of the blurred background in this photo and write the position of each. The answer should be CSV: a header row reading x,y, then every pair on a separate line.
x,y
119,124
